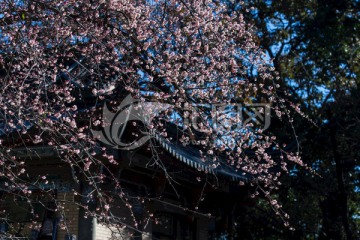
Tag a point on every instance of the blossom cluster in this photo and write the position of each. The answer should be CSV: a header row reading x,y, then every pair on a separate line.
x,y
60,59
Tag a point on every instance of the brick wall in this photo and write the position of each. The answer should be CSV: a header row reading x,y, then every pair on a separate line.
x,y
104,232
70,213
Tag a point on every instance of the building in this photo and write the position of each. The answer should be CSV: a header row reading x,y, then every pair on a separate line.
x,y
202,204
175,196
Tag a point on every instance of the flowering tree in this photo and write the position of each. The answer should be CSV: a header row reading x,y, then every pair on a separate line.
x,y
60,60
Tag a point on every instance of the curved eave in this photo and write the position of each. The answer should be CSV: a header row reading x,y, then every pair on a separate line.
x,y
195,161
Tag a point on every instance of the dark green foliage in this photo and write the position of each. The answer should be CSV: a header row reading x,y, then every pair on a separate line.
x,y
315,46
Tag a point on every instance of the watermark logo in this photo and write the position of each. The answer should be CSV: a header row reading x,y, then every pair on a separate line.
x,y
216,118
114,124
229,117
257,113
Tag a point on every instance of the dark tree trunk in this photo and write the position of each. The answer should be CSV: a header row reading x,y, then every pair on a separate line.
x,y
339,165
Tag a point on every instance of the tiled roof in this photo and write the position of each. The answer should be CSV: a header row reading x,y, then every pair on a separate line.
x,y
191,157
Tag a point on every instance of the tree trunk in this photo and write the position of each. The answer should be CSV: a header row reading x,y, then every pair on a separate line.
x,y
339,165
